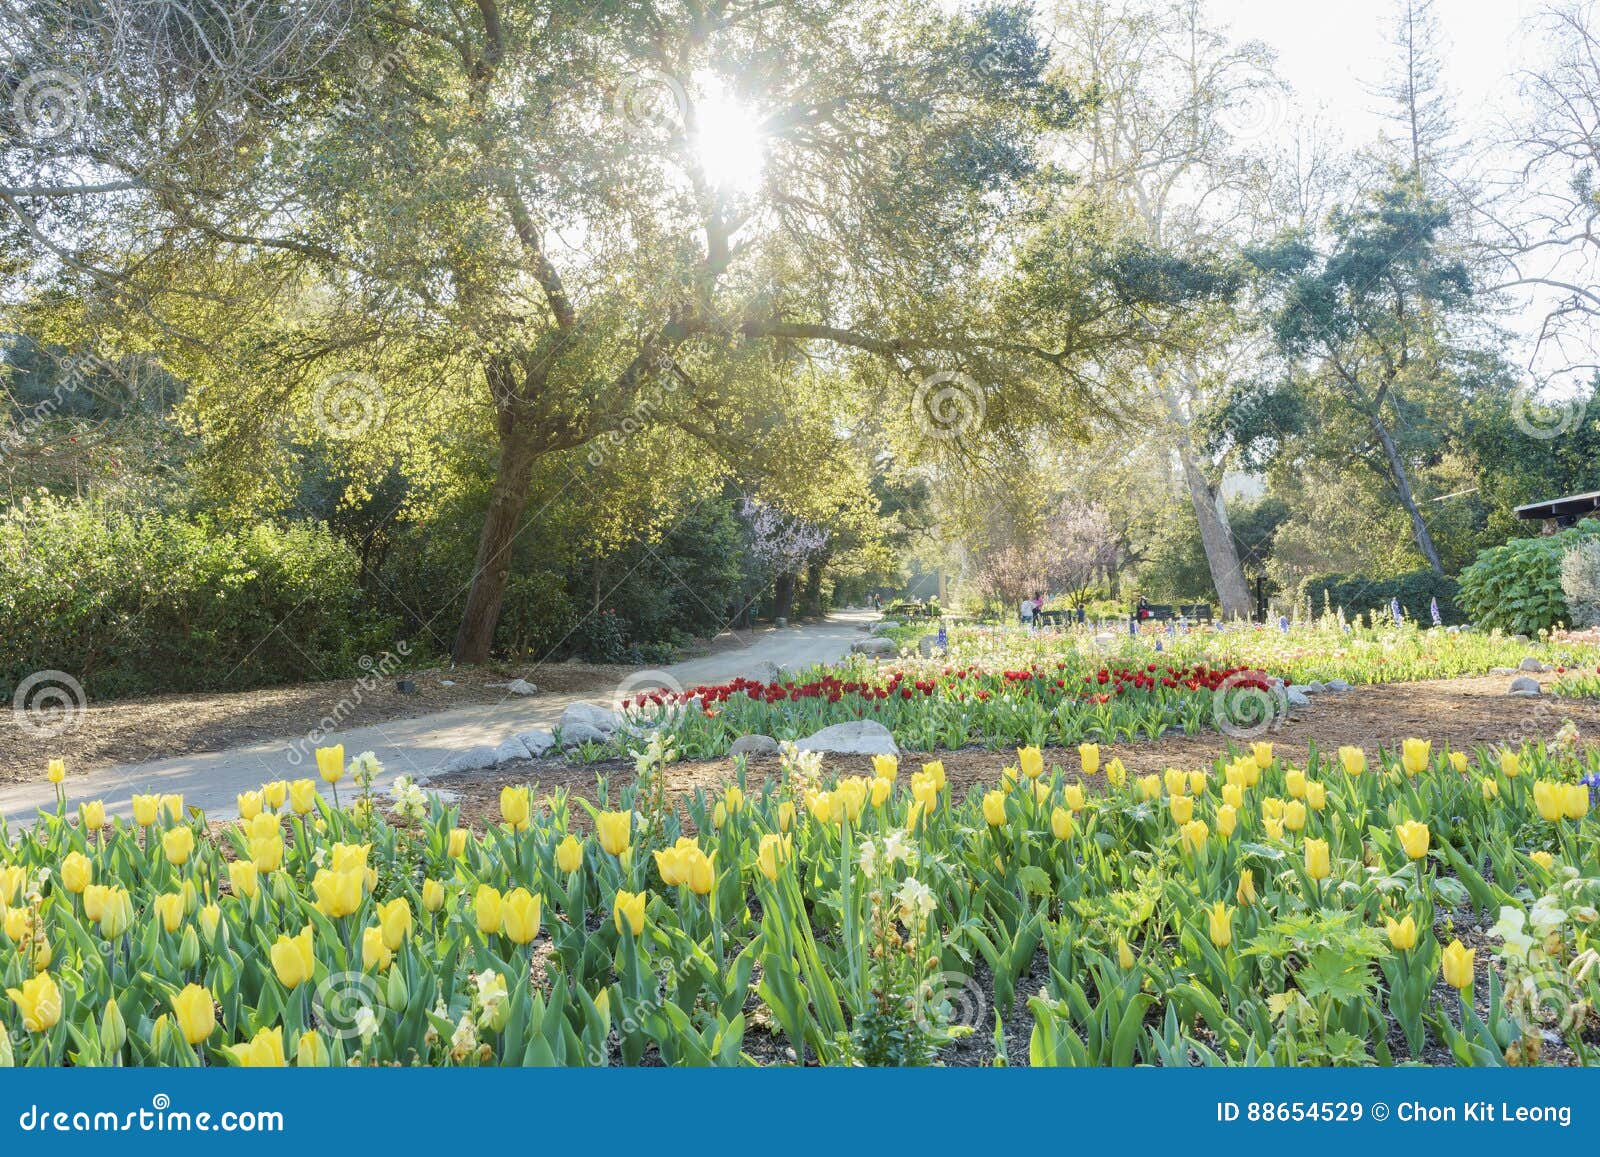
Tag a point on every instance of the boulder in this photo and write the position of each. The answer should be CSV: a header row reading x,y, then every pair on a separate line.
x,y
765,671
754,745
1337,685
1315,687
928,646
576,734
472,759
591,715
1523,686
1502,670
874,647
860,737
1297,697
521,687
539,742
510,750
1531,664
883,625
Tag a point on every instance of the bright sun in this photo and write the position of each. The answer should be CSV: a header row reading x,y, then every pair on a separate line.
x,y
729,143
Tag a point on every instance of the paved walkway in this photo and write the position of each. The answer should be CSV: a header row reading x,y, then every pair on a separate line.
x,y
418,746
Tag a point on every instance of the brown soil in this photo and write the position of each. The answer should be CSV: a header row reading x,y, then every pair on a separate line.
x,y
1457,713
160,726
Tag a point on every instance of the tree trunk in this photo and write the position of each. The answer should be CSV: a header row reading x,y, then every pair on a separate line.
x,y
1222,556
507,500
1402,488
812,604
782,595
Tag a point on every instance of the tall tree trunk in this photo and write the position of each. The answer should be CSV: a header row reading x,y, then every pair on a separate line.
x,y
782,595
812,604
507,501
1402,488
1222,556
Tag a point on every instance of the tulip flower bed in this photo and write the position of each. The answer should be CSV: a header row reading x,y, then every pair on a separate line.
x,y
945,706
1251,913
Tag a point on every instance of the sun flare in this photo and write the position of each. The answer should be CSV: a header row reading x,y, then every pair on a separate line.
x,y
729,144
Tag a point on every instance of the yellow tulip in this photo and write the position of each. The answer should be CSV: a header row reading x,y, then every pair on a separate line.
x,y
210,917
569,854
173,804
92,815
1233,796
267,854
1182,808
1031,761
1219,918
702,872
1195,834
1575,801
516,808
338,893
55,770
1116,774
1197,782
1353,759
851,793
1227,820
432,895
1294,781
349,857
1510,764
1294,815
1272,808
249,804
1150,786
487,909
177,844
522,911
294,959
1402,933
994,808
77,872
375,954
1125,959
886,766
1246,892
1549,799
195,1013
1318,866
719,815
628,909
1458,762
275,793
169,907
1177,781
1544,859
330,763
935,773
881,789
18,924
1413,837
733,798
1273,827
1316,795
1073,796
38,1002
773,852
242,878
145,808
303,797
263,1051
820,803
925,792
1262,754
456,843
614,831
310,1052
1061,823
1458,962
395,920
1415,755
94,901
1489,788
1089,757
785,815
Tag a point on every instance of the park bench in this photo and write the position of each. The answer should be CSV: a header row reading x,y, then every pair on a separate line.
x,y
1165,612
908,611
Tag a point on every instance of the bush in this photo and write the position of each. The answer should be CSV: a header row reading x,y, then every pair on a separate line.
x,y
139,601
1580,582
1358,594
1517,587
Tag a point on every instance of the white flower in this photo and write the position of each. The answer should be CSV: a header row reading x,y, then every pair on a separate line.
x,y
366,1023
1510,928
1545,916
898,849
915,899
465,1038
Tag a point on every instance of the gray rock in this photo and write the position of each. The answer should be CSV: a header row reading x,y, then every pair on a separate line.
x,y
511,749
1296,697
1502,670
754,745
860,737
1519,638
447,682
539,742
521,687
1531,664
766,671
928,646
591,715
874,647
1337,685
575,734
1523,686
1315,687
472,759
883,625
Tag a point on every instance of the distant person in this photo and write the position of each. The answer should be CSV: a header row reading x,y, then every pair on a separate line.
x,y
1025,612
1038,608
1143,610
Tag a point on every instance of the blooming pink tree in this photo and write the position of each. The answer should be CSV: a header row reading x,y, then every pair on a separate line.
x,y
783,544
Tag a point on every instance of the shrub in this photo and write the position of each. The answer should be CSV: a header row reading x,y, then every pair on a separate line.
x,y
1517,587
1358,594
131,601
1580,582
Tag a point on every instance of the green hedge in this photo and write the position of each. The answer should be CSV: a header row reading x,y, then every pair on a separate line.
x,y
1359,595
135,601
1517,587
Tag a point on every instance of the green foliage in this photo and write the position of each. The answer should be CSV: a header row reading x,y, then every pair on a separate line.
x,y
1358,594
133,600
1517,587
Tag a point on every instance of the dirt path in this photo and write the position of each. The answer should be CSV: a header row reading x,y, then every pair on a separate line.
x,y
1459,713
